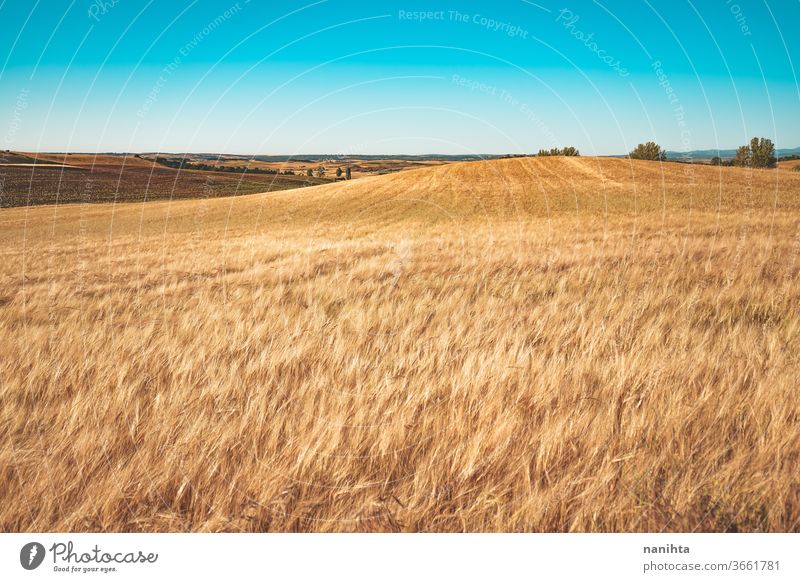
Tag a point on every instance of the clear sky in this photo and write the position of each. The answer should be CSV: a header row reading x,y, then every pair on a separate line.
x,y
342,76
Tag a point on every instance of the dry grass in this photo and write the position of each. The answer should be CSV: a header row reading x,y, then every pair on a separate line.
x,y
538,345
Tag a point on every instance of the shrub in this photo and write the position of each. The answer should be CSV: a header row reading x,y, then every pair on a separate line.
x,y
648,151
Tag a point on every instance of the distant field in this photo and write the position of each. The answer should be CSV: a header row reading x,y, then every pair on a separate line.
x,y
534,344
789,164
106,178
14,158
359,168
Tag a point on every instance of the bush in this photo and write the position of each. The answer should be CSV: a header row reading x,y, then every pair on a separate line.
x,y
648,151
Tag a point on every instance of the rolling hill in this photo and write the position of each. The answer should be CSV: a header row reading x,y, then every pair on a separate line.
x,y
503,189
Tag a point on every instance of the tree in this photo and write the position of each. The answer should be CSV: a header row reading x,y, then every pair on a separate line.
x,y
338,172
762,153
567,151
347,175
320,172
309,172
716,161
743,157
648,151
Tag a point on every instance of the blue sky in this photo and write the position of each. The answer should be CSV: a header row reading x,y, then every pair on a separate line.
x,y
341,76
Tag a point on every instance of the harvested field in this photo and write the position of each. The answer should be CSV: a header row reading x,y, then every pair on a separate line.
x,y
79,178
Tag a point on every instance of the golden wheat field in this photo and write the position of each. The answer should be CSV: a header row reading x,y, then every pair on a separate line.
x,y
551,344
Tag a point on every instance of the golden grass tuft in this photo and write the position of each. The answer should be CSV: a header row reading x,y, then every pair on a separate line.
x,y
517,345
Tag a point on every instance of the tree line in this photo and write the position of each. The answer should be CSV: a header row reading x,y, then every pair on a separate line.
x,y
567,151
759,153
